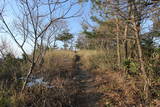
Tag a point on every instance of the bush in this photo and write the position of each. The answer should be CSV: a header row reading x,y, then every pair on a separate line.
x,y
131,66
5,100
10,70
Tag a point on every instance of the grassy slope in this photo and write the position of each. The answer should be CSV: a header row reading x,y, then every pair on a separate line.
x,y
91,81
118,89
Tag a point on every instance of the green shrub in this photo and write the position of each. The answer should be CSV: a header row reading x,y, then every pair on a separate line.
x,y
5,102
131,66
10,71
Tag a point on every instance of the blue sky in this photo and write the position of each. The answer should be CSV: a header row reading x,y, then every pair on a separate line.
x,y
74,24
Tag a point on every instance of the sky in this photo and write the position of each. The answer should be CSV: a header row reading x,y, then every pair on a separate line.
x,y
74,24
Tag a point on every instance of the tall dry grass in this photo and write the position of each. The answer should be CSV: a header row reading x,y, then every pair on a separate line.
x,y
58,60
57,71
121,89
97,59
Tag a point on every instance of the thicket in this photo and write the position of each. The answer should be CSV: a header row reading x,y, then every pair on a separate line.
x,y
127,48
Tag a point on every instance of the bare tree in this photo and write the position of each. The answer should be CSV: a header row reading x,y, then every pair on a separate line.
x,y
35,20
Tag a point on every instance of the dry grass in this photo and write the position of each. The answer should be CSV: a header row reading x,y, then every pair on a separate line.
x,y
120,89
57,60
57,71
86,57
97,59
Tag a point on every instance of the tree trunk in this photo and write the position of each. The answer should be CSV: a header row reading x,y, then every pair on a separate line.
x,y
125,42
136,21
118,44
27,77
142,65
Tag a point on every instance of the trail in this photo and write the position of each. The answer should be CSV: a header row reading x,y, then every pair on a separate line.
x,y
87,93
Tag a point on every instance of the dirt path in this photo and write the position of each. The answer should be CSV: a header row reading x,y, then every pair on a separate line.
x,y
87,93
